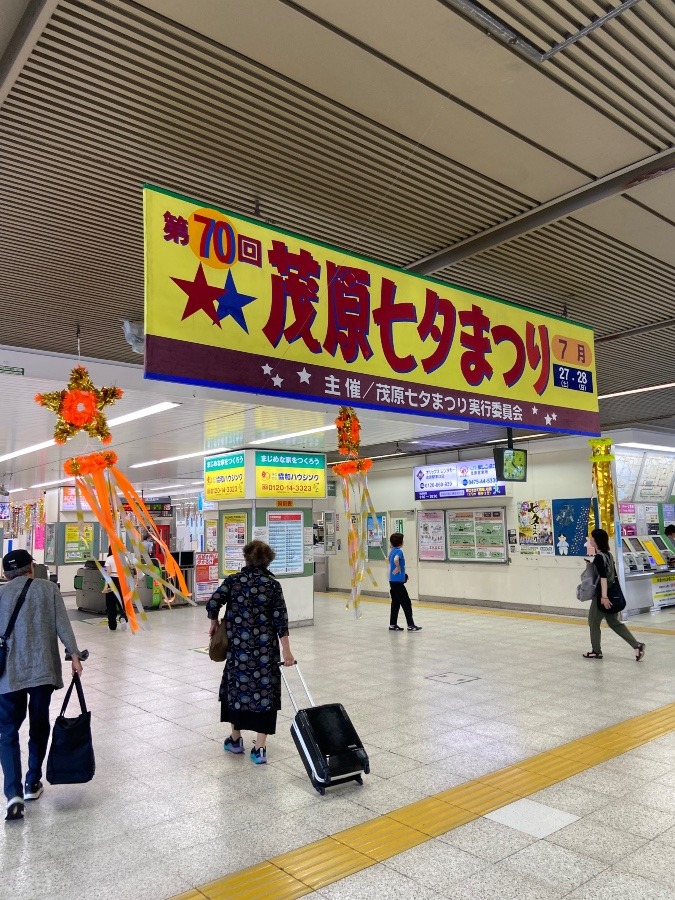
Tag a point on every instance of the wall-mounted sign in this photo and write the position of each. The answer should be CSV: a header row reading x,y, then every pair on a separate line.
x,y
431,534
234,529
476,535
285,532
69,500
475,478
656,478
535,527
206,575
233,303
78,543
280,474
224,476
160,509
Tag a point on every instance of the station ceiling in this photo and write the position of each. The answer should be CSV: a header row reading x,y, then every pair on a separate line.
x,y
398,129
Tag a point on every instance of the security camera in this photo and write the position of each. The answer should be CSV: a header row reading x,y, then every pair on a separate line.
x,y
3,491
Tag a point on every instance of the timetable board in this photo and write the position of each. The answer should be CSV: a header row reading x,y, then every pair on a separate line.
x,y
286,537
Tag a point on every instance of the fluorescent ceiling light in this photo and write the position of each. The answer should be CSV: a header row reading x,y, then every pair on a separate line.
x,y
164,487
385,456
32,449
16,490
525,437
294,434
120,420
156,462
196,482
645,390
637,446
50,483
142,413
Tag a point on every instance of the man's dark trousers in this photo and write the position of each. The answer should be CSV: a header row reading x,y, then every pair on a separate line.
x,y
13,707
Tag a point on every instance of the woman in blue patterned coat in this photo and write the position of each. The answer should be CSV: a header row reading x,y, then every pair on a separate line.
x,y
257,622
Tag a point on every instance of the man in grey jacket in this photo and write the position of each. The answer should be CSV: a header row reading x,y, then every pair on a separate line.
x,y
32,672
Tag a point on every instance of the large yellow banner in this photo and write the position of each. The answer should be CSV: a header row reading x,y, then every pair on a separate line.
x,y
233,303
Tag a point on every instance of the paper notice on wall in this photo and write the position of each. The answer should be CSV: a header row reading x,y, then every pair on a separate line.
x,y
431,534
261,533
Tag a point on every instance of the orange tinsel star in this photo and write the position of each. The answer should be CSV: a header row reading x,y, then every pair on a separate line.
x,y
80,407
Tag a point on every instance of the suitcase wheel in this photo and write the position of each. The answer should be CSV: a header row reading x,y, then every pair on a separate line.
x,y
319,787
366,769
358,779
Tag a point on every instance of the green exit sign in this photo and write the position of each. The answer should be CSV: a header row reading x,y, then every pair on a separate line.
x,y
11,370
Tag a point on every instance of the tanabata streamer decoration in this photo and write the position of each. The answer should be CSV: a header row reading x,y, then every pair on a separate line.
x,y
358,505
107,490
601,457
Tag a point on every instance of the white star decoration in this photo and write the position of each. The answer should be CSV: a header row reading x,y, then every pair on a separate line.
x,y
535,410
554,416
547,419
304,376
267,369
276,381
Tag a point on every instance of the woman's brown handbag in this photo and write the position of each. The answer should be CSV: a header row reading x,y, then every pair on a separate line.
x,y
219,643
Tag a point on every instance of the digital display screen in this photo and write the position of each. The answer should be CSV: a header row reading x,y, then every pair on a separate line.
x,y
636,545
625,547
660,543
510,464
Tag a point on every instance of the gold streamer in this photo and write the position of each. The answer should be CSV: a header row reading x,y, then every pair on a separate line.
x,y
602,457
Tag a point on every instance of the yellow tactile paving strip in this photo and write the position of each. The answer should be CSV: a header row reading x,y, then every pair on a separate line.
x,y
309,868
507,613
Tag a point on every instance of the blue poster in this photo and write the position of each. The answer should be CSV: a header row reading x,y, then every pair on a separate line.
x,y
570,525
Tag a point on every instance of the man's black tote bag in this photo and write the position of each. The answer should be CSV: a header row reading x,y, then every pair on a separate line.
x,y
71,755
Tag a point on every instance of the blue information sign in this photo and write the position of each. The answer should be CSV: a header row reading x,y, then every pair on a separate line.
x,y
573,379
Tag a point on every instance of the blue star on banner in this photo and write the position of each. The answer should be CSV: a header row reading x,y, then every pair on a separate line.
x,y
232,303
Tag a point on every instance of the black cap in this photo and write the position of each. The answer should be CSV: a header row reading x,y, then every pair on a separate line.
x,y
16,559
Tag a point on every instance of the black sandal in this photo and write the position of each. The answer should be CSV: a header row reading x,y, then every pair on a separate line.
x,y
592,655
640,652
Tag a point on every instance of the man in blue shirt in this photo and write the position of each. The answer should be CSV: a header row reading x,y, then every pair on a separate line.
x,y
397,588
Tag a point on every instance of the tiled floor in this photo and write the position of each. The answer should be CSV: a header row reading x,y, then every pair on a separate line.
x,y
168,811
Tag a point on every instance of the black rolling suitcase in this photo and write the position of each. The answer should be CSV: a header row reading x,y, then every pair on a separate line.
x,y
327,742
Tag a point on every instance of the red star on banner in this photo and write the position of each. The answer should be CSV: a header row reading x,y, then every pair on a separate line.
x,y
201,296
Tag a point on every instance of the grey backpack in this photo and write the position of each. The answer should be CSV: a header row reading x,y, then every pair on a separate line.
x,y
588,584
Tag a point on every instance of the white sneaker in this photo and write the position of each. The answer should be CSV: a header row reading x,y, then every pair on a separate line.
x,y
15,809
123,624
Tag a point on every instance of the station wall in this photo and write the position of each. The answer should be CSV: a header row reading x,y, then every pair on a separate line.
x,y
536,582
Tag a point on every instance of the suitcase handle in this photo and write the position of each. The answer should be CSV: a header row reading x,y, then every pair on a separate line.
x,y
290,692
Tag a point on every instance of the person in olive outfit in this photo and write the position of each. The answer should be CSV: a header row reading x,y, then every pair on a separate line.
x,y
257,624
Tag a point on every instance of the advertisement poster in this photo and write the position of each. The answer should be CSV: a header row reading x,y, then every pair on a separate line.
x,y
478,535
286,538
4,511
239,304
535,526
570,525
234,540
50,543
377,527
474,478
206,575
78,542
224,477
431,535
39,539
290,475
69,500
211,535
